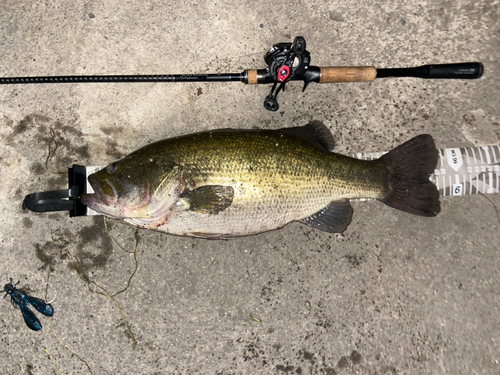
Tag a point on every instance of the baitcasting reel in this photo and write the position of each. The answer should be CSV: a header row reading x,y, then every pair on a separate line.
x,y
285,61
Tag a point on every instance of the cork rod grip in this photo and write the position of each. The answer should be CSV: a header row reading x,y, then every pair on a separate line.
x,y
347,74
252,76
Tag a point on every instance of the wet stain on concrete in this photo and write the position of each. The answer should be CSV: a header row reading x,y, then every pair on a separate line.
x,y
38,168
355,357
112,146
27,223
343,362
94,246
53,145
307,356
28,122
53,251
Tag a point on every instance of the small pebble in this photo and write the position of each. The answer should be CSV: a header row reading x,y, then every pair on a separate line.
x,y
336,16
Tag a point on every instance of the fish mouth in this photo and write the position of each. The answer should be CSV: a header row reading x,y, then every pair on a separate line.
x,y
99,197
101,203
90,200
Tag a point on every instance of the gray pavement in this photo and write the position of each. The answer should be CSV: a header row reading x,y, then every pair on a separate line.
x,y
394,294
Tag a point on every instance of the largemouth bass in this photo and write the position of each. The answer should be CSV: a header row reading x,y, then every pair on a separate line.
x,y
227,183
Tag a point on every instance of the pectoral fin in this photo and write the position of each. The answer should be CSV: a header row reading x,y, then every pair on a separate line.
x,y
334,218
210,199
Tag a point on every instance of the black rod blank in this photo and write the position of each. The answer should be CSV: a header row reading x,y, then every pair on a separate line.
x,y
126,78
470,70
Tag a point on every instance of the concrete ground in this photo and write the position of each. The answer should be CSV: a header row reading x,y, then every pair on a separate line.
x,y
394,294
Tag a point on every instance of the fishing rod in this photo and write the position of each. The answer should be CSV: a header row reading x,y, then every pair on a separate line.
x,y
285,62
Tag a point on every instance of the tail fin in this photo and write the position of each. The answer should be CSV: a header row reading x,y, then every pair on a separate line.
x,y
410,166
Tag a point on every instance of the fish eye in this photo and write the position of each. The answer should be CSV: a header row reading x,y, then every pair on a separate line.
x,y
111,168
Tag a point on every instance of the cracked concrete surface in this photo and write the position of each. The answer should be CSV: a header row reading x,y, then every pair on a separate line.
x,y
394,294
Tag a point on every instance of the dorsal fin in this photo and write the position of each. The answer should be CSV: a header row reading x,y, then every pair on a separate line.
x,y
315,131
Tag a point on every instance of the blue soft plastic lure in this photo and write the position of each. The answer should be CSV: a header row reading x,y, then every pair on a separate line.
x,y
20,299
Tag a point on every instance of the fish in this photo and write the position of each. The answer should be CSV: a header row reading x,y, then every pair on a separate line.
x,y
228,183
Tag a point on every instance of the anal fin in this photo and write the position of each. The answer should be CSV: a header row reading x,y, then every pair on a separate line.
x,y
334,218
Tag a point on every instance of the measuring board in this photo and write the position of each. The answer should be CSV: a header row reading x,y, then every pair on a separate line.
x,y
459,171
